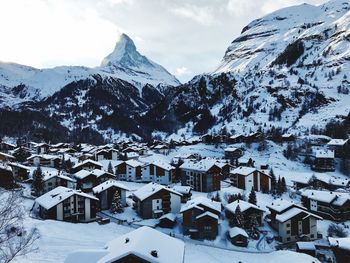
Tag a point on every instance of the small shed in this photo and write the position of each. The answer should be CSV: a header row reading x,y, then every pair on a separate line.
x,y
306,248
167,220
238,237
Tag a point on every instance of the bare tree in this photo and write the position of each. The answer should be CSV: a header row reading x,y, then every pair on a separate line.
x,y
15,240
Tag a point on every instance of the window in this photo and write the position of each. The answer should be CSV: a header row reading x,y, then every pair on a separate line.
x,y
207,228
288,225
312,236
288,238
288,231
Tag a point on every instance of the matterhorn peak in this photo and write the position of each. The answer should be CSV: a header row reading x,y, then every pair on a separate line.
x,y
125,54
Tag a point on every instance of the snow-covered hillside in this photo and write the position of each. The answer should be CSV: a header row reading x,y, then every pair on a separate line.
x,y
288,69
20,83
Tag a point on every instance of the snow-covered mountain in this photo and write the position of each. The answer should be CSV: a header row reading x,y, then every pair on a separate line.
x,y
288,69
20,83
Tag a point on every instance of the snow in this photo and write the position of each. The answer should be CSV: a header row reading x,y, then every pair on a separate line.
x,y
108,184
281,204
202,165
235,231
343,243
134,163
324,154
243,170
149,189
243,205
82,174
306,245
337,142
87,162
201,200
58,195
207,213
335,198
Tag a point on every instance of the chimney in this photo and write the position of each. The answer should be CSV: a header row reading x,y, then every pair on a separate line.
x,y
154,253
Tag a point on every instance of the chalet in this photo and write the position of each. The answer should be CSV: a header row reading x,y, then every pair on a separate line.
x,y
102,176
87,165
45,160
6,176
253,137
201,218
225,168
246,162
207,138
233,154
105,192
51,181
202,176
133,171
158,171
6,157
238,237
6,147
154,200
288,137
186,192
66,204
292,222
142,245
106,154
167,220
162,149
340,248
42,148
302,180
323,161
238,138
340,147
330,205
20,172
184,156
248,177
120,170
247,210
86,180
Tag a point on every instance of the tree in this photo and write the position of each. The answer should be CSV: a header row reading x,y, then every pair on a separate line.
x,y
110,168
283,185
252,197
253,226
238,218
273,182
15,240
38,181
116,206
217,197
344,166
335,230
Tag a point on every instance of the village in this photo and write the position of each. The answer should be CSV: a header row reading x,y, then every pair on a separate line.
x,y
244,193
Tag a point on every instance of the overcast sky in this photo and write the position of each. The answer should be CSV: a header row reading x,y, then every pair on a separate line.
x,y
187,37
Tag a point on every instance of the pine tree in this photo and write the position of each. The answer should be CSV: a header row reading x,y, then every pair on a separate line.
x,y
252,197
116,206
283,185
273,182
110,168
217,197
238,217
38,181
253,226
278,190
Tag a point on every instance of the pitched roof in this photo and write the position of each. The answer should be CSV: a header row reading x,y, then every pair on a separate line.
x,y
235,231
134,163
202,165
243,205
150,189
208,213
87,162
141,242
82,174
58,195
243,170
201,200
337,142
108,184
281,204
336,198
292,213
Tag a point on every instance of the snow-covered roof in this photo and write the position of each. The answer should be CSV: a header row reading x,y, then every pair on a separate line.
x,y
282,204
182,189
306,245
184,155
48,176
141,242
243,205
108,184
335,198
324,154
201,200
303,178
337,142
243,170
98,173
134,163
201,166
19,166
7,155
169,216
235,231
82,174
58,195
88,161
293,212
343,243
149,189
208,213
232,149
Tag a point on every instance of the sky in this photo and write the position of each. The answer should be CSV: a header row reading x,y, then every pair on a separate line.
x,y
187,37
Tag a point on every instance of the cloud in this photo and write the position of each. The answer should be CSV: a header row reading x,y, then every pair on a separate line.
x,y
202,15
183,71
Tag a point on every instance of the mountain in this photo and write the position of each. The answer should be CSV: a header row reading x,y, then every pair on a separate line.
x,y
287,70
19,83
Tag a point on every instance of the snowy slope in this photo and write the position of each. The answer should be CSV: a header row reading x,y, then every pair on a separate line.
x,y
20,83
287,70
